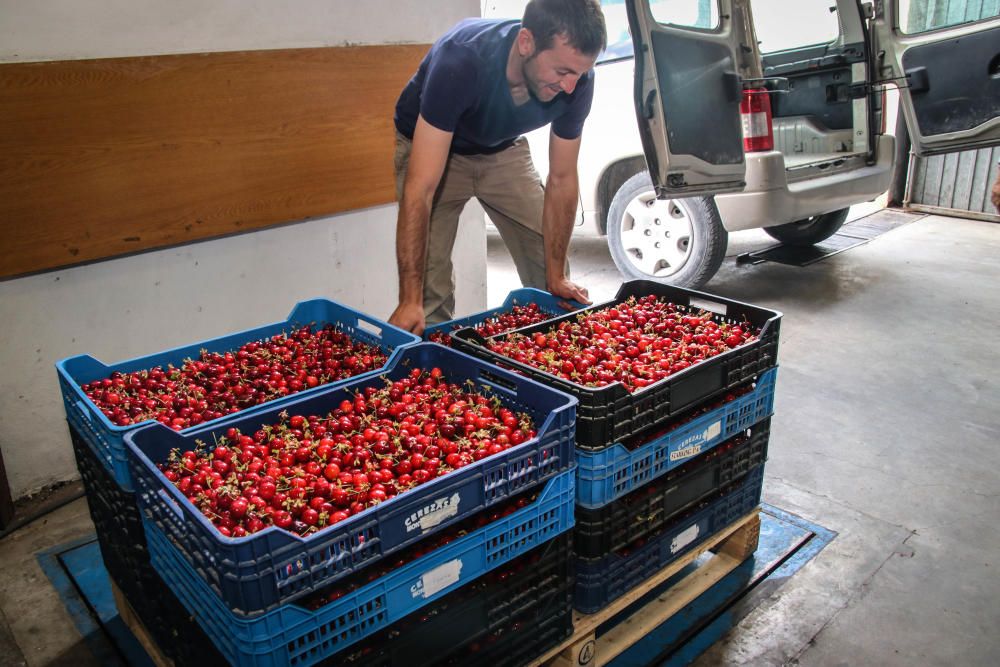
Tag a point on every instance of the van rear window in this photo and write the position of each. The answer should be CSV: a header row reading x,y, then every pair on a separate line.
x,y
783,25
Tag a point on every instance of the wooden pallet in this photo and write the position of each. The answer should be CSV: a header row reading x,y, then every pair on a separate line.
x,y
732,545
135,626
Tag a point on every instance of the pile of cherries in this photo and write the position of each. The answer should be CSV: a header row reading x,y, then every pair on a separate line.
x,y
637,342
308,472
218,384
508,320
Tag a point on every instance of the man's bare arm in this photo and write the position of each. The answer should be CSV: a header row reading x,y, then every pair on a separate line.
x,y
423,174
562,195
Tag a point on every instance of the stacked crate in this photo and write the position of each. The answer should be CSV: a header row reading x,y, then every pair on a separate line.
x,y
126,558
101,457
644,477
663,468
504,618
275,598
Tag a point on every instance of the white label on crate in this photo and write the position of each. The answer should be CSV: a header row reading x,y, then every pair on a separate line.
x,y
437,579
685,445
713,430
433,514
685,453
685,538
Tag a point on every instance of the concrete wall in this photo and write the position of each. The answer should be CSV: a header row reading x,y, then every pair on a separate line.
x,y
146,303
70,29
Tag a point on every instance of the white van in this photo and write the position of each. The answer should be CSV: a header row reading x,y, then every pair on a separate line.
x,y
669,164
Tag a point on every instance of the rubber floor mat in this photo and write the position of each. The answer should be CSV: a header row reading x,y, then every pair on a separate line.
x,y
851,235
879,223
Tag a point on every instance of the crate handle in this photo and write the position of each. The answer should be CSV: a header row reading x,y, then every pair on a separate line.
x,y
370,327
470,334
713,306
171,503
497,382
82,409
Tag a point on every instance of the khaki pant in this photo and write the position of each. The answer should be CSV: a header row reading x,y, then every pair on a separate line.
x,y
508,187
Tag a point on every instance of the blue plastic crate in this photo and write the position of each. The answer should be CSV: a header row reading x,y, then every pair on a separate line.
x,y
293,635
653,506
494,620
106,438
609,474
255,573
122,540
603,580
547,303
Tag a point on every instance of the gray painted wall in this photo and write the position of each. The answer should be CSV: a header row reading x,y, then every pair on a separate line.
x,y
146,303
71,29
959,181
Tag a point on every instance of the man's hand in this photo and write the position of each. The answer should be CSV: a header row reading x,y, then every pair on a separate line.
x,y
409,317
567,289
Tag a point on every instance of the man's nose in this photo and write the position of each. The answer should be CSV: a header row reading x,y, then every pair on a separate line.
x,y
568,84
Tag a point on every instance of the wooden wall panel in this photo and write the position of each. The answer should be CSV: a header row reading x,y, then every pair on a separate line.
x,y
105,157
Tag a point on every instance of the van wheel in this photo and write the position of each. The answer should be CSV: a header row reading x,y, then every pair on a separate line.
x,y
810,230
676,241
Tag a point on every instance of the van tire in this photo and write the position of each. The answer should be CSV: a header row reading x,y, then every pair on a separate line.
x,y
811,230
675,241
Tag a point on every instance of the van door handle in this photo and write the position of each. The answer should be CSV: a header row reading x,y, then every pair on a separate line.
x,y
733,86
917,80
647,106
993,69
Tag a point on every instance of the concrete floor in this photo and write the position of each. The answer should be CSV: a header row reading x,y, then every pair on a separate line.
x,y
885,430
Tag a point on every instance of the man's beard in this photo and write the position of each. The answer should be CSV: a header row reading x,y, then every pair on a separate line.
x,y
532,84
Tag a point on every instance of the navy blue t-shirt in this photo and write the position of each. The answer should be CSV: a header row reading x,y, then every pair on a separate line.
x,y
461,87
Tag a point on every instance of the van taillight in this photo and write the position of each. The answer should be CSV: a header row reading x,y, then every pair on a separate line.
x,y
755,112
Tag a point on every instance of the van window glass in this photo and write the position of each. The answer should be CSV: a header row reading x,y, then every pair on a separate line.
x,y
922,15
702,14
783,25
686,13
619,39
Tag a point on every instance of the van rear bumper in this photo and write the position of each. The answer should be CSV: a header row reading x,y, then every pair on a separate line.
x,y
769,199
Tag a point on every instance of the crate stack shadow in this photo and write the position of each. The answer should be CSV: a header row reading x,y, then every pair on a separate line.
x,y
487,548
662,469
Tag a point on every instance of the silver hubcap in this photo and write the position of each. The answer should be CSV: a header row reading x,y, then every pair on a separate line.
x,y
656,235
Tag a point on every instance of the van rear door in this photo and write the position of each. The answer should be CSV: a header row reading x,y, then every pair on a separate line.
x,y
691,60
945,58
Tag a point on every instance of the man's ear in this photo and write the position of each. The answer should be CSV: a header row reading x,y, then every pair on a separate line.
x,y
525,43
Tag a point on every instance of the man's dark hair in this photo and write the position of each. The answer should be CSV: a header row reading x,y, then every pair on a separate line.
x,y
581,22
